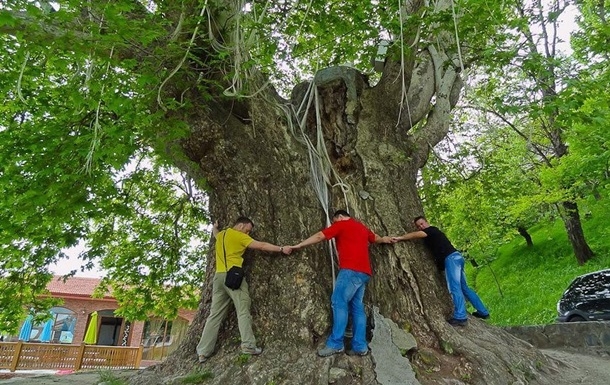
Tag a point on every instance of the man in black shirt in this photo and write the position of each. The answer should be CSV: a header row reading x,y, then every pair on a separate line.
x,y
449,259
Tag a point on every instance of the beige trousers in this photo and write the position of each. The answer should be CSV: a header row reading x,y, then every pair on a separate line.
x,y
222,296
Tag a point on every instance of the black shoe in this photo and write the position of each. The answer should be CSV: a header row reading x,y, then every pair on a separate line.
x,y
478,314
457,322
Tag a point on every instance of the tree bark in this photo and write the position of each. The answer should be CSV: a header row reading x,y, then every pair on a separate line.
x,y
528,238
572,223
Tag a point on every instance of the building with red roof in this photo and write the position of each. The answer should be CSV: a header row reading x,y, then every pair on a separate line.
x,y
76,315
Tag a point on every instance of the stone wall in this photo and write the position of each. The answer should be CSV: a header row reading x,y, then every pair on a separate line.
x,y
581,336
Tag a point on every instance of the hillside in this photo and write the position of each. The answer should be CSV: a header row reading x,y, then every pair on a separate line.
x,y
522,286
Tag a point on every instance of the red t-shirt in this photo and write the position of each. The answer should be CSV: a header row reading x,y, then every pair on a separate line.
x,y
353,240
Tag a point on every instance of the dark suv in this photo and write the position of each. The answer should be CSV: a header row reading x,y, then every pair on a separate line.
x,y
586,299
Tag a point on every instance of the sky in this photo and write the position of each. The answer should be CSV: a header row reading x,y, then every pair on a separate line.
x,y
65,266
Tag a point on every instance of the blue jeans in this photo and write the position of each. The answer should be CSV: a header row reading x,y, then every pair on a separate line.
x,y
458,287
347,296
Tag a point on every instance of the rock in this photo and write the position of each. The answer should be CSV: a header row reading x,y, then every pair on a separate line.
x,y
391,367
403,340
336,374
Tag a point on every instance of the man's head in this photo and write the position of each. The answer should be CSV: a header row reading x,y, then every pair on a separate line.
x,y
243,224
341,215
421,222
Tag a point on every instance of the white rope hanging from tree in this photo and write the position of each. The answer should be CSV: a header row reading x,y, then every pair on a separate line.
x,y
319,162
404,93
242,43
186,53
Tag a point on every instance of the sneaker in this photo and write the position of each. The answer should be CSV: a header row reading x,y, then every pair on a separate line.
x,y
252,351
327,352
354,353
457,322
478,314
203,358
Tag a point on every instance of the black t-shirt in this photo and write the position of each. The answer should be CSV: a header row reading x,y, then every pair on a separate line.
x,y
439,245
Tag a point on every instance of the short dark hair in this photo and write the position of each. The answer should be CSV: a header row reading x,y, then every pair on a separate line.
x,y
418,218
341,212
244,220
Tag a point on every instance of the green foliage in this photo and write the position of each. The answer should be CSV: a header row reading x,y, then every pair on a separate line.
x,y
152,244
488,182
590,43
536,134
533,279
308,36
19,296
82,159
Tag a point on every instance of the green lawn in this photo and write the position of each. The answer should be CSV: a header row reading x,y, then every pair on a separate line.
x,y
530,281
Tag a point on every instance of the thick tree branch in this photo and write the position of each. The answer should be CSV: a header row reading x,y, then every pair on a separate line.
x,y
448,85
421,92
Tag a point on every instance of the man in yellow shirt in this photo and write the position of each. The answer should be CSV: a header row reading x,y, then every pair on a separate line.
x,y
232,244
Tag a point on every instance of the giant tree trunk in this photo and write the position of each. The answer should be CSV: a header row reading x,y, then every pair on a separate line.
x,y
256,167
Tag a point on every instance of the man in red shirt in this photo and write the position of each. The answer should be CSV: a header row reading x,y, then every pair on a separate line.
x,y
353,240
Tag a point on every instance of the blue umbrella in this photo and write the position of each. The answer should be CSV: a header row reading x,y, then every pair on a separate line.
x,y
47,330
26,329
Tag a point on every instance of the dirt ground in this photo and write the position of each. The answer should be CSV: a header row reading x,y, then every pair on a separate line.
x,y
44,377
574,368
579,368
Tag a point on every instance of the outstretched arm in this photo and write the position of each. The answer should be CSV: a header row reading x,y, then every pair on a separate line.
x,y
385,239
265,246
316,238
410,236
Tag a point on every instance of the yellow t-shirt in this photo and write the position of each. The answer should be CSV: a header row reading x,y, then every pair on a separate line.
x,y
235,244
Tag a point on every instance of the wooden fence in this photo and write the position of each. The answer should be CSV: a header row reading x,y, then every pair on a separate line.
x,y
32,356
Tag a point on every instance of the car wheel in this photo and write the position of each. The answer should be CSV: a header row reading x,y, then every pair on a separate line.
x,y
576,318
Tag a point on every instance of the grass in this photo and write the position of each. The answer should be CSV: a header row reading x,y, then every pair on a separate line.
x,y
243,359
109,378
530,281
197,377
